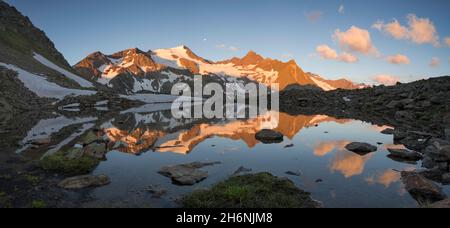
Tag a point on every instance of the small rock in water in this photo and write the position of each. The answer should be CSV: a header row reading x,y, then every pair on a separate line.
x,y
85,181
267,136
292,173
421,188
379,143
156,191
289,146
326,132
361,148
186,174
241,169
405,154
319,181
388,131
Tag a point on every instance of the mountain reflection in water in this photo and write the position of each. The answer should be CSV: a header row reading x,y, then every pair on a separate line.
x,y
168,135
317,151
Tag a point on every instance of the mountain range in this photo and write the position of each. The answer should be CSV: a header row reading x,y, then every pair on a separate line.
x,y
147,68
29,61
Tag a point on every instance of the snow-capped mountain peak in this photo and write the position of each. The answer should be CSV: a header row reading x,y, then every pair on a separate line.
x,y
252,66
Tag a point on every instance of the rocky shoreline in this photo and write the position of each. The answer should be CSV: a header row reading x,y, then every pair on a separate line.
x,y
418,112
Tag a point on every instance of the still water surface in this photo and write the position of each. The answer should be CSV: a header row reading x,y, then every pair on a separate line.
x,y
313,147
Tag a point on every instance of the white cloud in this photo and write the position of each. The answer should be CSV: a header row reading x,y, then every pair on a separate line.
x,y
435,62
419,30
398,59
227,48
325,52
355,40
221,46
233,48
341,9
386,79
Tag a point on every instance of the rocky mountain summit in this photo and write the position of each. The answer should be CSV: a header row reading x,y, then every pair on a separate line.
x,y
150,71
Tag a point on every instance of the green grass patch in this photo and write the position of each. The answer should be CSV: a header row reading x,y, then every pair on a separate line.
x,y
25,46
261,190
4,201
33,180
59,163
38,204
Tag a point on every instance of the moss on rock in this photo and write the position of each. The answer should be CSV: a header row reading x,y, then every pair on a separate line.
x,y
262,190
38,204
61,164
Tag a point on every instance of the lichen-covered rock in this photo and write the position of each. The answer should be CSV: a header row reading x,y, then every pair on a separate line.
x,y
186,174
86,181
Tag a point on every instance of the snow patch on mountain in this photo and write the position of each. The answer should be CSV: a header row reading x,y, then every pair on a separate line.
x,y
43,88
173,56
81,81
325,86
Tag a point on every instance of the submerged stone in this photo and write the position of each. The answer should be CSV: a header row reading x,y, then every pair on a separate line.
x,y
186,174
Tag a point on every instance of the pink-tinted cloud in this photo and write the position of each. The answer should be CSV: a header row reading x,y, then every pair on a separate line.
x,y
326,52
435,62
419,30
355,40
398,59
386,79
422,30
348,58
447,41
393,28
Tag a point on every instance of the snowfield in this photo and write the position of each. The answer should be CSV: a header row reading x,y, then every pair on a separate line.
x,y
43,88
45,128
81,81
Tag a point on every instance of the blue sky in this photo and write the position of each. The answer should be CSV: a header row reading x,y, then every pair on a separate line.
x,y
219,29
